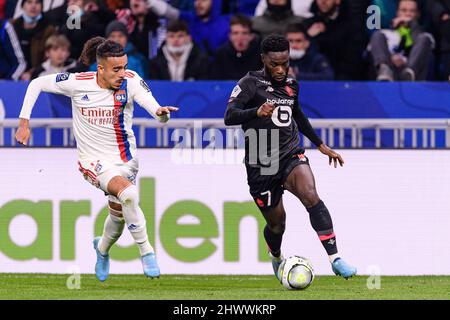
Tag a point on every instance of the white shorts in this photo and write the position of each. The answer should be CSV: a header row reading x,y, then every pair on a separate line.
x,y
100,172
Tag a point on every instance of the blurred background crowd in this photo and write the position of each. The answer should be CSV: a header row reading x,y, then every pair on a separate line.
x,y
183,40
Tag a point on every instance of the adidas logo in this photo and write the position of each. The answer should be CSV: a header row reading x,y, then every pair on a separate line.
x,y
85,98
132,227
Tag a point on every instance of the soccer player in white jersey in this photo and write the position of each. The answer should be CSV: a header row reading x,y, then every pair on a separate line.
x,y
102,110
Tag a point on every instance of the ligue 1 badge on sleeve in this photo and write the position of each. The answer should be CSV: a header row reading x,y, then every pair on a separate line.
x,y
62,77
236,91
145,85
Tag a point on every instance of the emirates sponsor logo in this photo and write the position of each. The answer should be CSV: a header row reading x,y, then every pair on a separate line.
x,y
100,112
101,116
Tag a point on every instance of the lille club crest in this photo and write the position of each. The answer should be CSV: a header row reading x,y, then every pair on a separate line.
x,y
289,91
260,202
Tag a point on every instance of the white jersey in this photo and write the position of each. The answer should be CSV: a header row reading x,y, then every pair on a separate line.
x,y
102,118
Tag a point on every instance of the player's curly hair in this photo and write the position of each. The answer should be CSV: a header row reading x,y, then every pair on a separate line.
x,y
274,43
98,48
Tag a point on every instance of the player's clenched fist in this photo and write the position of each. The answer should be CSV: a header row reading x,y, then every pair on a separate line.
x,y
265,110
23,132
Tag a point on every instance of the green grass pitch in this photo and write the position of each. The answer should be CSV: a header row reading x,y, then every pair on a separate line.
x,y
218,287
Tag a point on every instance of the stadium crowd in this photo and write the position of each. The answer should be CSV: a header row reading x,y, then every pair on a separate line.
x,y
182,40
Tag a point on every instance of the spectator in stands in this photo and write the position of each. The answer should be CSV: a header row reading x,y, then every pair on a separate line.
x,y
32,29
57,16
117,32
300,8
404,51
183,5
15,10
306,63
244,7
209,28
94,18
240,55
440,14
276,18
143,28
12,60
388,9
57,51
336,28
2,9
114,5
179,59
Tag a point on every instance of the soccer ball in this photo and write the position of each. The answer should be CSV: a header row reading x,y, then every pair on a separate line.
x,y
296,273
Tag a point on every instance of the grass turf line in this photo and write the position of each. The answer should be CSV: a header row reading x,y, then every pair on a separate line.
x,y
219,287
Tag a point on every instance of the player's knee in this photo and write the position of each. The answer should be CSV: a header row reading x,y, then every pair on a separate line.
x,y
116,215
310,197
277,227
129,196
115,208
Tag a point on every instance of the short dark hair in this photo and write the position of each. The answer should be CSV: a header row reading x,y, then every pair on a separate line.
x,y
296,28
274,43
23,3
241,20
177,26
98,48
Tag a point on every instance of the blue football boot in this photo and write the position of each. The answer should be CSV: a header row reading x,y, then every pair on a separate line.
x,y
276,262
343,269
102,265
150,265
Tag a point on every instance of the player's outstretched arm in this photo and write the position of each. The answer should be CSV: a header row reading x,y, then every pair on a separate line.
x,y
55,83
142,94
333,156
306,128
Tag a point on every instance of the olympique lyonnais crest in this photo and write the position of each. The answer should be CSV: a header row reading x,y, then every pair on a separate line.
x,y
120,96
289,91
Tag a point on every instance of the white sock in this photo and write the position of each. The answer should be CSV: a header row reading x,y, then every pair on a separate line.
x,y
112,231
134,218
333,257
